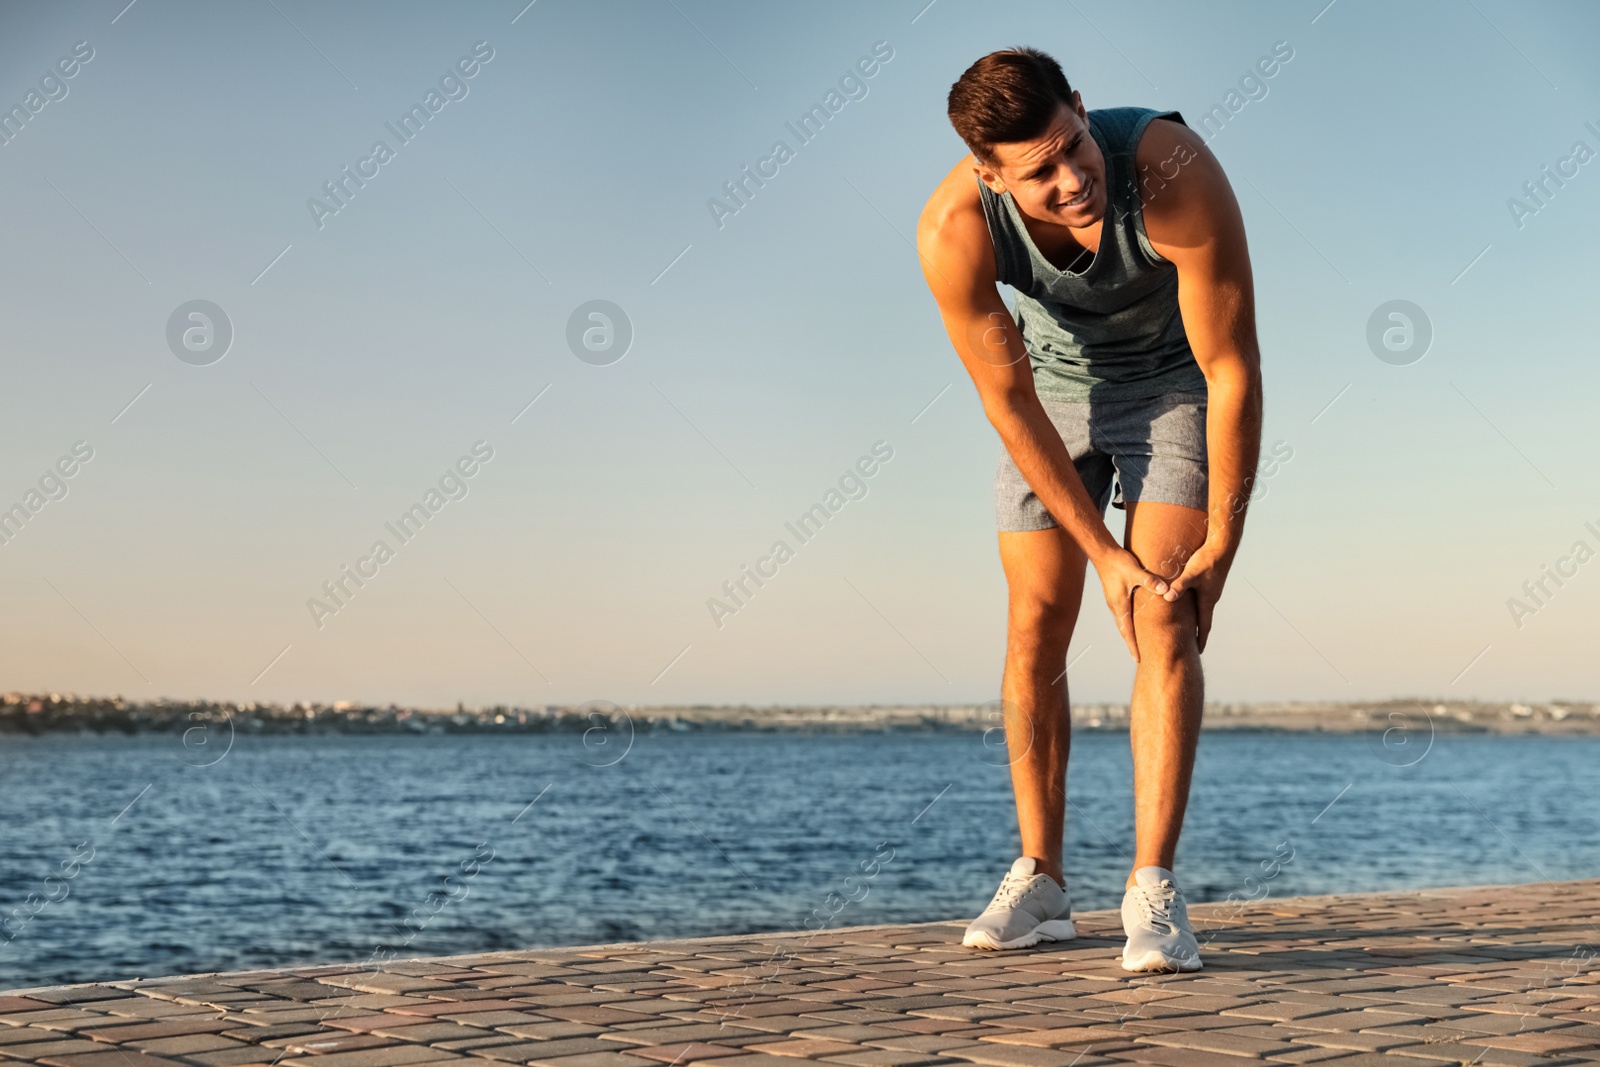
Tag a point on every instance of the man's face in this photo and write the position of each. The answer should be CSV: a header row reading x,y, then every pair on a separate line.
x,y
1059,176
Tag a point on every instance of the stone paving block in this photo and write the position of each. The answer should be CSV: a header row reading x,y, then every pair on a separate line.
x,y
1419,1033
470,1043
515,1051
383,982
864,1016
1482,1057
109,1058
1348,1021
806,1048
345,1001
56,1018
686,1033
295,989
575,1046
1203,1002
385,1056
551,999
1017,1056
1134,1024
248,1056
920,1000
455,1007
40,1050
591,1013
967,1012
21,1035
1217,1041
431,1033
851,1033
1147,994
1358,1041
921,1042
756,1008
594,1059
777,1024
1181,1057
1063,1036
535,1026
888,1058
911,1024
1074,986
1388,1059
366,1022
262,1034
1554,1041
152,1008
288,1012
325,1044
1309,1055
1056,1018
187,1044
1280,1011
128,1029
1489,1023
1159,1010
1264,1031
77,994
687,1052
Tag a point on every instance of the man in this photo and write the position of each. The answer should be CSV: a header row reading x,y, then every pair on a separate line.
x,y
1132,353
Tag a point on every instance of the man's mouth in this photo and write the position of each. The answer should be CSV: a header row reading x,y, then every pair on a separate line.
x,y
1082,198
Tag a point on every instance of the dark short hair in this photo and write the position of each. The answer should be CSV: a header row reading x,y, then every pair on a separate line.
x,y
1007,96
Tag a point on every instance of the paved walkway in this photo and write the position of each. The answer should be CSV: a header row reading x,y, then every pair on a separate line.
x,y
1485,975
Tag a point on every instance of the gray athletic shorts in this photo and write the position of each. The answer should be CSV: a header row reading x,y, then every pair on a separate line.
x,y
1155,448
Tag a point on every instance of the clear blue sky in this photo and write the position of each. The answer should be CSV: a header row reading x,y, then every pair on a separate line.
x,y
768,354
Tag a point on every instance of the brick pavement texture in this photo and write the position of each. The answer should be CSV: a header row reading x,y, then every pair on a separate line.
x,y
1484,976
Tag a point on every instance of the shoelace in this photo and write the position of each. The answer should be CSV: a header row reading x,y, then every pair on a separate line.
x,y
1155,904
1013,887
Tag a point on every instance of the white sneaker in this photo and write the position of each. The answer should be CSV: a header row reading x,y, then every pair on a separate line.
x,y
1156,920
1027,908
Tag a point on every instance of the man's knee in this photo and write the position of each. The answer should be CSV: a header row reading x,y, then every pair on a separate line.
x,y
1166,632
1040,625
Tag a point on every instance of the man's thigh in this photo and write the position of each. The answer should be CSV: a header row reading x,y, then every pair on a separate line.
x,y
1163,537
1044,576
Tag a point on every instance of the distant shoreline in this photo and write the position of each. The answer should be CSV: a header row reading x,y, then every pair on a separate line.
x,y
56,714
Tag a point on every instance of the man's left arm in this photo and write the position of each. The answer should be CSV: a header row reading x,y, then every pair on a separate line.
x,y
1193,219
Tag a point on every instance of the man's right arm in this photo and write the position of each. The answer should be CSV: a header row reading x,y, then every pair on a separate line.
x,y
958,262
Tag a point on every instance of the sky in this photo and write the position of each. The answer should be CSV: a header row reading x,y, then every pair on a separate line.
x,y
356,353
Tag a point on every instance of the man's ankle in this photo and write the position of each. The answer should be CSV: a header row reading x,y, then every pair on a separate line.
x,y
1052,869
1136,867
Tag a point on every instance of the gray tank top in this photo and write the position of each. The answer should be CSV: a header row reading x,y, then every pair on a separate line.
x,y
1111,330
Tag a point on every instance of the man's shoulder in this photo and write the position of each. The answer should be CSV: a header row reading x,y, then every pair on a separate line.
x,y
1183,194
952,222
955,197
1166,139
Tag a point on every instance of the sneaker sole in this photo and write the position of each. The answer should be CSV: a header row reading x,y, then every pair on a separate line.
x,y
1160,962
1049,930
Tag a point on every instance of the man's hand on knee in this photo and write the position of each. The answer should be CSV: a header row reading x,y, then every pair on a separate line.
x,y
1120,574
1204,575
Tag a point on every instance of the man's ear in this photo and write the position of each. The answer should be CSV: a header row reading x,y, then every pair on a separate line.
x,y
988,175
1077,105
